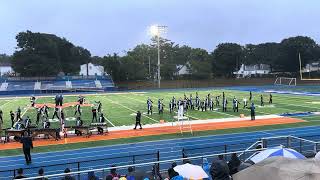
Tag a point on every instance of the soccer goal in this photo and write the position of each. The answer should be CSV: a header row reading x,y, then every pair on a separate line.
x,y
286,81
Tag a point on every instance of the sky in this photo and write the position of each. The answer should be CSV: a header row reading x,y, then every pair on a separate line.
x,y
115,26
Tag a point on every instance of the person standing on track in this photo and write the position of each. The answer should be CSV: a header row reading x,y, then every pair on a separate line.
x,y
27,145
138,120
261,100
253,113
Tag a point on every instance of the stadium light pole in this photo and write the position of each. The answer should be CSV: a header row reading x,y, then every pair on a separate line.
x,y
157,30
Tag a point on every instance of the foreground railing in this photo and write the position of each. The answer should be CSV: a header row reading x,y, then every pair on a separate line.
x,y
147,168
145,163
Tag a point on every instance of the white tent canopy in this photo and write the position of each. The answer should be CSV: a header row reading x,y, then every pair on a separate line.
x,y
281,168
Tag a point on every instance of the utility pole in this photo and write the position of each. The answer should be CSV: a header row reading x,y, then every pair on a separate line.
x,y
157,30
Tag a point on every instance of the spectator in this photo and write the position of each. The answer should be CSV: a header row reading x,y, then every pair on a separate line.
x,y
173,175
130,175
174,164
219,169
234,163
68,177
41,173
92,176
206,166
20,174
113,174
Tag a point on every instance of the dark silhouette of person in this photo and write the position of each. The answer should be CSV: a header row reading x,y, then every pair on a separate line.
x,y
138,120
27,145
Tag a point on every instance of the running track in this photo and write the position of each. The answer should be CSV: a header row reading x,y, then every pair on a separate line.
x,y
169,149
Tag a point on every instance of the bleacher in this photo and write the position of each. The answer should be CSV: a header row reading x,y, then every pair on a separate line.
x,y
20,85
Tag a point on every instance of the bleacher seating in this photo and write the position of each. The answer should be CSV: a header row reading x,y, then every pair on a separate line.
x,y
4,86
65,84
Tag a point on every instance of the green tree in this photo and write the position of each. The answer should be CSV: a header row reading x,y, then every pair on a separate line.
x,y
41,54
227,58
290,49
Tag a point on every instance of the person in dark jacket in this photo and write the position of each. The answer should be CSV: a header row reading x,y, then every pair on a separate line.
x,y
234,163
20,174
67,177
27,146
138,120
41,173
219,169
12,116
253,112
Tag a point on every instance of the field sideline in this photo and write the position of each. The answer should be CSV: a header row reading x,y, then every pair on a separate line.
x,y
120,108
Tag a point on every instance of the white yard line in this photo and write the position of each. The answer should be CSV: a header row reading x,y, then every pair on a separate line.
x,y
110,122
131,109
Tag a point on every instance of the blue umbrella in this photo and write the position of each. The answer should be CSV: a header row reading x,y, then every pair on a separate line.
x,y
278,151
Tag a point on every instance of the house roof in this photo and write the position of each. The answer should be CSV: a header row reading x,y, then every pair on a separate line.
x,y
5,64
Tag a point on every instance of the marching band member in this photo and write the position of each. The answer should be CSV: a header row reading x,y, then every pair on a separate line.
x,y
55,113
235,104
78,109
211,104
149,106
261,100
224,104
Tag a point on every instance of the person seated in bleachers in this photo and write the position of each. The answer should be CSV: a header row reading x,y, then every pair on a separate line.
x,y
67,177
234,163
173,175
20,174
92,176
41,173
113,173
219,169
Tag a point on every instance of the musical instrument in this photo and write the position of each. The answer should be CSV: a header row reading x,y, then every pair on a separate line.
x,y
14,132
47,132
83,129
98,124
100,127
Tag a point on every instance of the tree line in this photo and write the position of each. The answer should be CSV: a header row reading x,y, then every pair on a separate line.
x,y
40,54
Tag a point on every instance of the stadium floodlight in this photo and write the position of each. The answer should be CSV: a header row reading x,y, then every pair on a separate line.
x,y
156,31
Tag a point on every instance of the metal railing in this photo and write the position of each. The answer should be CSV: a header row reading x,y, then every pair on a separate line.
x,y
196,154
148,167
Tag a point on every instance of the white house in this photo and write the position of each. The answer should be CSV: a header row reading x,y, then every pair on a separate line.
x,y
248,70
91,70
315,66
5,68
182,70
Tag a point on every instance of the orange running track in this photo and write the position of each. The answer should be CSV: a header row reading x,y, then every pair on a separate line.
x,y
157,131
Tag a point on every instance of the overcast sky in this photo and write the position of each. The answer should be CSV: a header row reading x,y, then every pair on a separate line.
x,y
107,26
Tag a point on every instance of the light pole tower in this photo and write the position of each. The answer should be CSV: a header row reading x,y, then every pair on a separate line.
x,y
157,30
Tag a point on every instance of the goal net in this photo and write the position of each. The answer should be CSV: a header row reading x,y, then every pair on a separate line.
x,y
286,81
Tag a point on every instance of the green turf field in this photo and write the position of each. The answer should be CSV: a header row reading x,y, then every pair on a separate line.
x,y
120,108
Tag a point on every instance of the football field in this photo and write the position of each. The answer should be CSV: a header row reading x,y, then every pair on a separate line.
x,y
120,108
